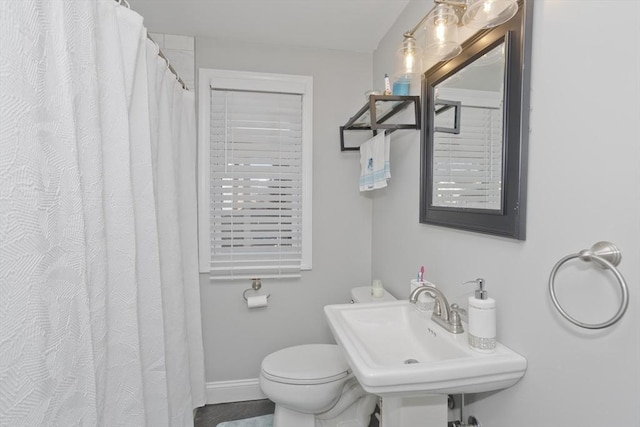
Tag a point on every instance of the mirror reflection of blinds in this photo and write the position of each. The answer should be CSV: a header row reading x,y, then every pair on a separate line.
x,y
256,184
467,167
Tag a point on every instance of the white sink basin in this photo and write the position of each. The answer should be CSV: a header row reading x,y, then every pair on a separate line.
x,y
396,350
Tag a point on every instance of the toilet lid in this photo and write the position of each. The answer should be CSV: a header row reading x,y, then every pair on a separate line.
x,y
306,364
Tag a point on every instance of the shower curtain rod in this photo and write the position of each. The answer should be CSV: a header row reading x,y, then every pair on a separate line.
x,y
175,73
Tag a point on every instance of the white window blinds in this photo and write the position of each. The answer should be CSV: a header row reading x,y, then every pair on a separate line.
x,y
467,167
256,184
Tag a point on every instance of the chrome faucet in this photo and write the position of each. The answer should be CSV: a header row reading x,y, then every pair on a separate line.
x,y
447,317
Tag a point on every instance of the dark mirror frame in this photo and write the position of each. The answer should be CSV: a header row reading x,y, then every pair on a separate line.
x,y
510,221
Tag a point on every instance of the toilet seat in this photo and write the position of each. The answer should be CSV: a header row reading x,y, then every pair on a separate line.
x,y
306,365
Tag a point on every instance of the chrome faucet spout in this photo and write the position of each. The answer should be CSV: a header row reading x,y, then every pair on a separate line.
x,y
435,293
448,317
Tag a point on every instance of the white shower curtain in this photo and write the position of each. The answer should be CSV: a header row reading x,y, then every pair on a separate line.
x,y
99,298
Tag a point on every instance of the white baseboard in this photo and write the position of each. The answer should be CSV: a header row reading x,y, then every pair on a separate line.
x,y
234,391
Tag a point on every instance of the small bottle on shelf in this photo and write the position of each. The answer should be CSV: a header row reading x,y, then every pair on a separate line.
x,y
387,85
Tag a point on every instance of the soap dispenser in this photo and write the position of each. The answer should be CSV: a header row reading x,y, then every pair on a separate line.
x,y
482,320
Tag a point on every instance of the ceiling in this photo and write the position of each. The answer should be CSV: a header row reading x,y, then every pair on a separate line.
x,y
351,25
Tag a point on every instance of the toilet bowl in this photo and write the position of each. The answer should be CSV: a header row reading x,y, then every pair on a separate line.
x,y
312,385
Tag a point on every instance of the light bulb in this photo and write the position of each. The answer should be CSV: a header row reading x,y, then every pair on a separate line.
x,y
409,61
440,31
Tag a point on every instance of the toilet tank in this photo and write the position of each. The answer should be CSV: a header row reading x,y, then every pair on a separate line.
x,y
363,294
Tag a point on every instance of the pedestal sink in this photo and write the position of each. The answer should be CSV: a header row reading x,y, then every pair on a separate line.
x,y
396,350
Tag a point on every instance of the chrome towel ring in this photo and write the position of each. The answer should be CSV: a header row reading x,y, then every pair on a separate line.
x,y
606,255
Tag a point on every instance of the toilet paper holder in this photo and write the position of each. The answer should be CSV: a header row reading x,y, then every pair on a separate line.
x,y
256,284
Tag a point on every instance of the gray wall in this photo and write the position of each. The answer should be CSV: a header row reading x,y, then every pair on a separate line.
x,y
236,339
584,186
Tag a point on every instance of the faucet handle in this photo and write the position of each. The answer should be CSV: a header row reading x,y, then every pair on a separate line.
x,y
455,307
455,320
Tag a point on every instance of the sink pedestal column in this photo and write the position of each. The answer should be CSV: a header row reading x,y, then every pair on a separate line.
x,y
428,410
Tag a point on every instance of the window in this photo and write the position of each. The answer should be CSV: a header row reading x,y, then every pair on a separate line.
x,y
255,174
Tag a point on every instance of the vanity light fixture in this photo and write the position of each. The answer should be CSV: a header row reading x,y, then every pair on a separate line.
x,y
408,58
441,30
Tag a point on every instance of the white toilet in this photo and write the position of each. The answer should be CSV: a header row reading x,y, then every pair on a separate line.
x,y
312,385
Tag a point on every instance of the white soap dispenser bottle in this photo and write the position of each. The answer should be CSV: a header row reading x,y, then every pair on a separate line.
x,y
482,320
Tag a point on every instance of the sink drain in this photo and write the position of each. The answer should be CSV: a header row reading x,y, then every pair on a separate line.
x,y
410,361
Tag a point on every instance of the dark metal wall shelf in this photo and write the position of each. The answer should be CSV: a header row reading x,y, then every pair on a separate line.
x,y
375,115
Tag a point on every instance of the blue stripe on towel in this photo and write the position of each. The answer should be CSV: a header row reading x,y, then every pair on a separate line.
x,y
370,180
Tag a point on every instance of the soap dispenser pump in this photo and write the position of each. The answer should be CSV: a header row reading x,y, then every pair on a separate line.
x,y
482,320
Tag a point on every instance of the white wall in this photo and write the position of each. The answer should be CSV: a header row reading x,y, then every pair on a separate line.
x,y
236,339
584,186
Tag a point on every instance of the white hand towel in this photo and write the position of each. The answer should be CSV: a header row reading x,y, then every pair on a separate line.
x,y
387,163
374,163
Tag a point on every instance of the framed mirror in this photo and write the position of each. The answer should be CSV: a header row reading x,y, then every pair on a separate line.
x,y
473,173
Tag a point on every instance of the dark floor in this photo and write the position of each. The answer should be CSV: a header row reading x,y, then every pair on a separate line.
x,y
211,415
